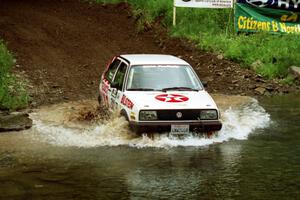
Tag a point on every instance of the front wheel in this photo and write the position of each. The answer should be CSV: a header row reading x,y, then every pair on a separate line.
x,y
211,134
124,114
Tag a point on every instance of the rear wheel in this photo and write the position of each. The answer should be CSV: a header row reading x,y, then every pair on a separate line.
x,y
99,99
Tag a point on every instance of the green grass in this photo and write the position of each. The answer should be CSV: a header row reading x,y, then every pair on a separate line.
x,y
13,95
212,30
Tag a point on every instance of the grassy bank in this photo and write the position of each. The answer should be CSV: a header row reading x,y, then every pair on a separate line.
x,y
212,29
13,96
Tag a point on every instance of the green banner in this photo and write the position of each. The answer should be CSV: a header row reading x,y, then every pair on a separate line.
x,y
254,19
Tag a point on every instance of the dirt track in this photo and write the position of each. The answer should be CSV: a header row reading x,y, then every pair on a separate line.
x,y
62,46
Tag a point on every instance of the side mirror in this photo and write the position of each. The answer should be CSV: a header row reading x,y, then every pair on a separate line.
x,y
114,85
204,83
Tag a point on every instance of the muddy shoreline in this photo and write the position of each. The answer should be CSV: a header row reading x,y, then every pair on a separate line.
x,y
62,47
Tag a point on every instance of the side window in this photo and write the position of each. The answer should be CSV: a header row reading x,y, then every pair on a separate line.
x,y
109,75
120,75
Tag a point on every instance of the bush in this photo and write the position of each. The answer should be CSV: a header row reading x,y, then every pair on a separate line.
x,y
6,60
13,95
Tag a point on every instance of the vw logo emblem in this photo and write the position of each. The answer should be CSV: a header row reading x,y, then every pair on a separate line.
x,y
179,115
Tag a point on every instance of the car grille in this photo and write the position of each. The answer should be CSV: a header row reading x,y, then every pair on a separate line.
x,y
170,115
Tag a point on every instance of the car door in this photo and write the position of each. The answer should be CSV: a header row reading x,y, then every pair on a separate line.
x,y
118,84
107,79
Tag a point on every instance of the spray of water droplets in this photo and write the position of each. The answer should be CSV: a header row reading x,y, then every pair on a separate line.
x,y
238,123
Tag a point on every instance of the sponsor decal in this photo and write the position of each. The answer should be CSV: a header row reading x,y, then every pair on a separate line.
x,y
127,102
172,98
105,86
114,93
292,5
260,3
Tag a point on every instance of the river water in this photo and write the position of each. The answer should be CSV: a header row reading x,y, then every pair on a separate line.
x,y
255,156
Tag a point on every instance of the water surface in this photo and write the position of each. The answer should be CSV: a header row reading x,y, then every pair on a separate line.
x,y
255,156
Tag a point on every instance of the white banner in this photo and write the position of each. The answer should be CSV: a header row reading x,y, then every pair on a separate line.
x,y
204,3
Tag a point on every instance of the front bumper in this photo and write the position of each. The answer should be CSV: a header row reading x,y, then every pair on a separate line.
x,y
199,126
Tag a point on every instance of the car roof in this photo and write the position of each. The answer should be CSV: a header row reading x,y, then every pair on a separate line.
x,y
153,59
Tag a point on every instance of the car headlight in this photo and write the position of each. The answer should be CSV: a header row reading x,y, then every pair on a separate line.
x,y
208,114
148,115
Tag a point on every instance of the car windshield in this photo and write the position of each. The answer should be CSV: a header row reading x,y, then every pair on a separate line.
x,y
158,77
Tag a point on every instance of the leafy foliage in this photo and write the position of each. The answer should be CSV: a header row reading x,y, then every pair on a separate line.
x,y
12,91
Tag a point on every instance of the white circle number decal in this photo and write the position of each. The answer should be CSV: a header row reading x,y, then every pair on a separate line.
x,y
172,98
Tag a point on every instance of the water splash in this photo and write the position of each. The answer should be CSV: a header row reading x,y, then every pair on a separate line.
x,y
238,122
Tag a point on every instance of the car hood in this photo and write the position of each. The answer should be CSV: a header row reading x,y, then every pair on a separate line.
x,y
171,100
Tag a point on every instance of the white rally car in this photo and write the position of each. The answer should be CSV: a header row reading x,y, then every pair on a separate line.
x,y
158,93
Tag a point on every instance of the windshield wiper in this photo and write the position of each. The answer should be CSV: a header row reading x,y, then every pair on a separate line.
x,y
141,89
179,88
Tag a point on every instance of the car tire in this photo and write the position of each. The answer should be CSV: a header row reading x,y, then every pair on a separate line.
x,y
124,114
99,99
